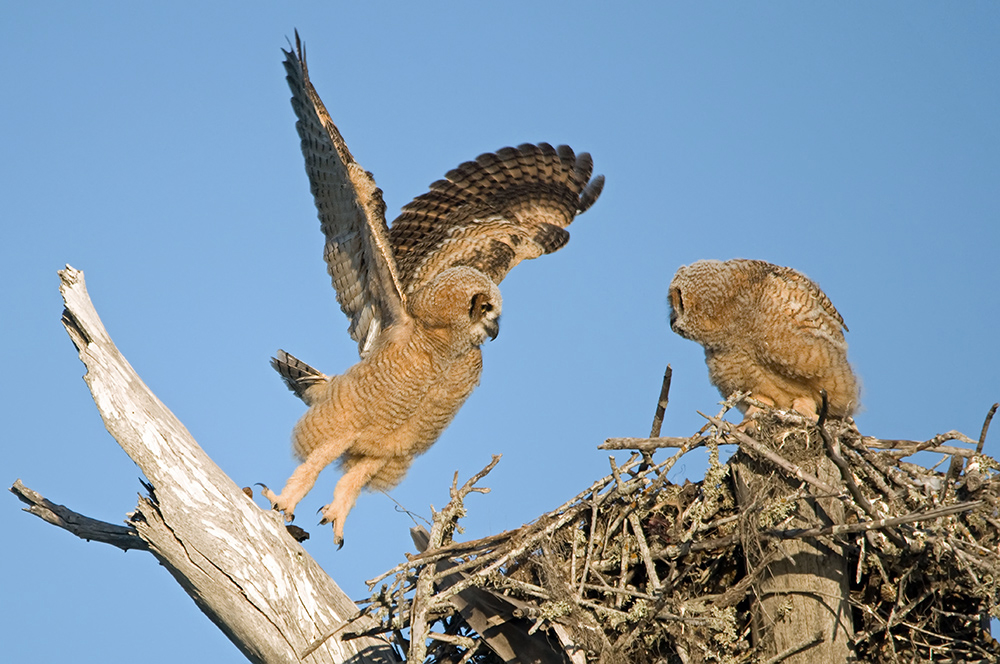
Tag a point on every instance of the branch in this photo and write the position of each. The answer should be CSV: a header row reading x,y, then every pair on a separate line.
x,y
235,560
84,527
661,404
649,444
986,427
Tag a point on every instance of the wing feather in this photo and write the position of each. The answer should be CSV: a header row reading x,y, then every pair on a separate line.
x,y
491,213
351,211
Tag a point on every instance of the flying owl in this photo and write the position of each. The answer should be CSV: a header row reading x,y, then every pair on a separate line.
x,y
767,330
421,296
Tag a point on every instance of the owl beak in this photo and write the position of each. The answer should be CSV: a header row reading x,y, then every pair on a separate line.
x,y
492,327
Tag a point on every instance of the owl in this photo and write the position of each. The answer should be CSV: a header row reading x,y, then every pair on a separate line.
x,y
421,297
767,330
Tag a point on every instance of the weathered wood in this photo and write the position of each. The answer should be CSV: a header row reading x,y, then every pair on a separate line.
x,y
123,537
237,561
802,613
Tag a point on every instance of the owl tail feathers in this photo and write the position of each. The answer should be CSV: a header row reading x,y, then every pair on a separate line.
x,y
302,379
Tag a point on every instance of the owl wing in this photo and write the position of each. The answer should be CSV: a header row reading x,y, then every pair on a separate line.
x,y
351,213
797,300
494,212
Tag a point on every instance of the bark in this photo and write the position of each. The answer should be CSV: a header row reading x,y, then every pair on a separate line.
x,y
236,560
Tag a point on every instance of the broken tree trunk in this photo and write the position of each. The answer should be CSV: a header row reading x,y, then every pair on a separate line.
x,y
236,561
803,612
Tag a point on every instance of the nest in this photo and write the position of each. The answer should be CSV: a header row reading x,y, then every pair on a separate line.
x,y
637,569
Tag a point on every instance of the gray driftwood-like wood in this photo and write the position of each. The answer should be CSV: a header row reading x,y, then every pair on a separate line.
x,y
802,612
235,560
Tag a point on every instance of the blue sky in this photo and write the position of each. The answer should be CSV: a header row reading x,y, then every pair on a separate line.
x,y
154,148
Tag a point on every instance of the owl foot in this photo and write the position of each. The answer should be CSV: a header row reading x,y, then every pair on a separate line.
x,y
278,503
331,514
749,423
807,407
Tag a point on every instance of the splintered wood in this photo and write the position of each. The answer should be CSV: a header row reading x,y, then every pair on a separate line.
x,y
635,568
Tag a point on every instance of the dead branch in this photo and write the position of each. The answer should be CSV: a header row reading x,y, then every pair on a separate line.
x,y
123,537
986,428
661,404
235,560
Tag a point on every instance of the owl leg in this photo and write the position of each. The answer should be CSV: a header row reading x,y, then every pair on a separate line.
x,y
806,406
303,479
346,493
749,423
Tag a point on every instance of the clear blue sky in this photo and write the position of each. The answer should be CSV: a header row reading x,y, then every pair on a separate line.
x,y
153,146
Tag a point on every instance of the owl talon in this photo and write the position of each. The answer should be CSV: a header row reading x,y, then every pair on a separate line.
x,y
332,514
277,504
338,536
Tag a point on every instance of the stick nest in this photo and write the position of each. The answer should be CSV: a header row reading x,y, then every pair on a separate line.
x,y
638,569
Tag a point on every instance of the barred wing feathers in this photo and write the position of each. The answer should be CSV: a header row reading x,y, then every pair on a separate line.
x,y
351,213
494,212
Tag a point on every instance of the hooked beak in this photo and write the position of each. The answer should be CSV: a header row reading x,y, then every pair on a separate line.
x,y
492,327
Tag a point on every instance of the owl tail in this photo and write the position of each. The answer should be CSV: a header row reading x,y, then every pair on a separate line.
x,y
302,379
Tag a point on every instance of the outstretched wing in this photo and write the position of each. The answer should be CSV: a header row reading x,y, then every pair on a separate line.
x,y
494,212
351,214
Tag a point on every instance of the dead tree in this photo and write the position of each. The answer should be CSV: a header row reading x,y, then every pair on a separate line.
x,y
236,561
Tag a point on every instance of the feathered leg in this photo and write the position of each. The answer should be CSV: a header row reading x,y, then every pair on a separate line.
x,y
346,493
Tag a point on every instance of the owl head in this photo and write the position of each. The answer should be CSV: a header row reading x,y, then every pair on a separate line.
x,y
701,299
462,302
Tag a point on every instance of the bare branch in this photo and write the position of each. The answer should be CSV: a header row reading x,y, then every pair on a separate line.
x,y
123,537
661,404
649,444
986,428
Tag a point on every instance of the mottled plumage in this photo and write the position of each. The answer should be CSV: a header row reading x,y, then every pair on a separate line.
x,y
421,297
768,330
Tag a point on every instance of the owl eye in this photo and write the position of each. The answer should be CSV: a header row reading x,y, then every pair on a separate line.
x,y
675,300
480,306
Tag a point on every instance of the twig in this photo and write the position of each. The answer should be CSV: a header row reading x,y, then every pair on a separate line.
x,y
652,444
788,652
904,448
444,523
932,443
833,451
661,405
824,408
555,519
844,529
954,470
986,428
678,551
622,591
894,619
590,547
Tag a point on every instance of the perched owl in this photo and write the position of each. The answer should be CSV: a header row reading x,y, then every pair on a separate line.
x,y
421,296
767,330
